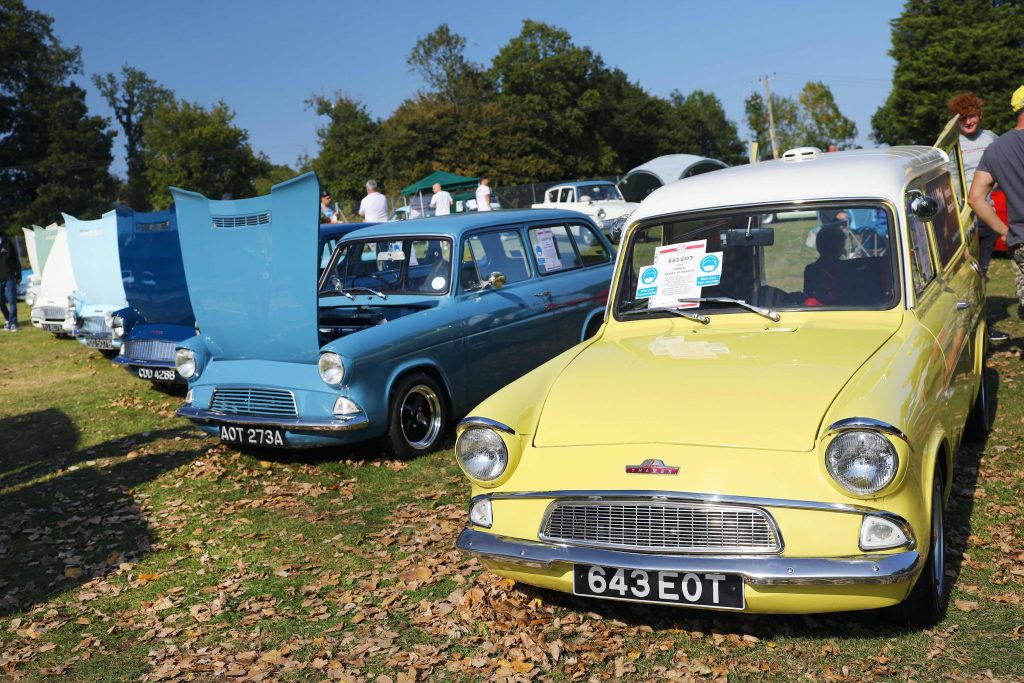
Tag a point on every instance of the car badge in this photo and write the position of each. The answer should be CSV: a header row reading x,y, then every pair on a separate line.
x,y
652,466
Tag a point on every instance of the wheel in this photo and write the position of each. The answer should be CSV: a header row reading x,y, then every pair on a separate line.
x,y
979,420
417,417
109,353
927,602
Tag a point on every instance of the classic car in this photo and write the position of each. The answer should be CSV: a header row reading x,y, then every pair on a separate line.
x,y
99,291
38,242
404,336
647,177
599,199
50,307
785,417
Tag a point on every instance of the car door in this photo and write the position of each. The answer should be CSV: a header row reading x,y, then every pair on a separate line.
x,y
509,330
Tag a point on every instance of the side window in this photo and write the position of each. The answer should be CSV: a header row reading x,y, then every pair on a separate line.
x,y
956,163
552,196
498,251
553,249
566,195
946,224
592,252
921,267
325,252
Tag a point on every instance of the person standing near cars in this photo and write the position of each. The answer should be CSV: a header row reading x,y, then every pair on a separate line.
x,y
440,201
1003,163
10,276
328,210
973,141
374,207
483,194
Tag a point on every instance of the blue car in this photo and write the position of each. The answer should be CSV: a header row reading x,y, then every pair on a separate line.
x,y
159,313
409,325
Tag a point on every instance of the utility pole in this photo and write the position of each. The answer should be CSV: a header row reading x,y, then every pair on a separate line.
x,y
771,116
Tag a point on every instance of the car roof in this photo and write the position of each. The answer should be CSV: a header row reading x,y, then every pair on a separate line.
x,y
456,224
856,174
581,183
329,230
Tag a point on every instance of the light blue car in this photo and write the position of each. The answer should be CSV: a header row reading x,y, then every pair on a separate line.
x,y
415,322
94,259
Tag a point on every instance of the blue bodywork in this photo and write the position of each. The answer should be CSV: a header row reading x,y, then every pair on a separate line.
x,y
264,328
94,260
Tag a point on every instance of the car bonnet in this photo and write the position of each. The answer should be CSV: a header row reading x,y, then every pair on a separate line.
x,y
58,277
93,248
150,251
250,265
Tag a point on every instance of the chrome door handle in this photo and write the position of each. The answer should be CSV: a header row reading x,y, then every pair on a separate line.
x,y
547,294
963,305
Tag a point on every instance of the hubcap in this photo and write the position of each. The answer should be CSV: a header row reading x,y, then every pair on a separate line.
x,y
420,417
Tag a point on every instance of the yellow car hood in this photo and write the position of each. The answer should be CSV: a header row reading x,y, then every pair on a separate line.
x,y
737,385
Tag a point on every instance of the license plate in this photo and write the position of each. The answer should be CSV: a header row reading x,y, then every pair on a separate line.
x,y
252,436
161,374
53,327
700,589
99,343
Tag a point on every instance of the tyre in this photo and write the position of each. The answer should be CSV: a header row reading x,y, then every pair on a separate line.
x,y
417,417
979,420
927,602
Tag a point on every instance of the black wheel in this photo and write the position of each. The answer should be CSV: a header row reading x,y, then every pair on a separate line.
x,y
417,417
927,602
108,353
979,420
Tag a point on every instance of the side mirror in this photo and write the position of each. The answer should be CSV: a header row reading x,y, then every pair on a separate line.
x,y
922,206
495,280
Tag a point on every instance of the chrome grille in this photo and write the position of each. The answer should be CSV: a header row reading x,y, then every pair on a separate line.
x,y
254,401
248,221
150,349
662,526
95,326
49,312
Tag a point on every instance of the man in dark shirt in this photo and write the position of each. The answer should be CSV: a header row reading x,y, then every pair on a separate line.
x,y
10,276
1003,163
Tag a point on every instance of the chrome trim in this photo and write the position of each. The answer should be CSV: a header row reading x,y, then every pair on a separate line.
x,y
866,423
773,527
849,508
295,424
473,421
758,571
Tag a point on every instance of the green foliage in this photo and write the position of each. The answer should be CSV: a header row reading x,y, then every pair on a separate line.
x,y
198,149
812,119
53,155
696,124
350,149
274,174
945,47
134,98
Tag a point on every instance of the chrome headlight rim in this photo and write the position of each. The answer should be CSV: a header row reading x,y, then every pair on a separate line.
x,y
331,367
862,462
185,363
482,453
116,325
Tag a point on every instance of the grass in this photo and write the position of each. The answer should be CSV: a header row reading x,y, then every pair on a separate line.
x,y
133,548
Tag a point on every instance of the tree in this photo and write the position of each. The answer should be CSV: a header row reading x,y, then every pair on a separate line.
x,y
274,175
134,99
785,112
350,147
944,47
696,124
439,58
53,156
812,119
188,146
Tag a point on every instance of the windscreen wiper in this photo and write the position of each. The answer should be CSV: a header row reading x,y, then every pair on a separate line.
x,y
346,291
766,312
695,317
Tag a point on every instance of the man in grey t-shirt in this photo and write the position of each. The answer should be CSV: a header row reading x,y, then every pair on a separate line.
x,y
1003,163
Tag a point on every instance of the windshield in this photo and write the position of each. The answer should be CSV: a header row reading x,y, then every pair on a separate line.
x,y
403,266
599,193
827,257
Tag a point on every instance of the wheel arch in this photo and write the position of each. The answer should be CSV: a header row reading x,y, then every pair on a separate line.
x,y
430,369
595,317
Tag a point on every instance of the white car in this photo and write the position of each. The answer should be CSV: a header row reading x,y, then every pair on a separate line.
x,y
50,309
599,199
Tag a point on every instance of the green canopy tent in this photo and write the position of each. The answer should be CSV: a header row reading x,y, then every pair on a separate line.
x,y
449,181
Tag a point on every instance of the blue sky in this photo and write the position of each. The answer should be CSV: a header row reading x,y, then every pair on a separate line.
x,y
265,59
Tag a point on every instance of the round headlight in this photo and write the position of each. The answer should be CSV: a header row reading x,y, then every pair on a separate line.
x,y
862,462
481,453
117,326
331,367
601,214
185,363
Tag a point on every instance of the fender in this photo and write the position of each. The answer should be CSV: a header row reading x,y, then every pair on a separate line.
x,y
419,362
596,313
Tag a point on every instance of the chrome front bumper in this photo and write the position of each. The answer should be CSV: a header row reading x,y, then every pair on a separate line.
x,y
292,424
755,570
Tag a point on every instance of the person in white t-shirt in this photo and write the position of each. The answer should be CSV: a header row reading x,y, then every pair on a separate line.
x,y
441,201
483,195
374,207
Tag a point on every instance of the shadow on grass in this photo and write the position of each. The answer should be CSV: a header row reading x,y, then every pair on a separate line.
x,y
364,451
60,532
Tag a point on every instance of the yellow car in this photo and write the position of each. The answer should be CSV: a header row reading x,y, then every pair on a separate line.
x,y
767,420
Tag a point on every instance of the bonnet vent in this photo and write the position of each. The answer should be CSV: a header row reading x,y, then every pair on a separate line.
x,y
248,221
801,154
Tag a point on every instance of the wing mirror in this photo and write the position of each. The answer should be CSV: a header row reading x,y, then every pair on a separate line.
x,y
921,205
495,280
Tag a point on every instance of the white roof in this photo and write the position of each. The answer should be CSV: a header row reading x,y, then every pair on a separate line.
x,y
669,167
864,173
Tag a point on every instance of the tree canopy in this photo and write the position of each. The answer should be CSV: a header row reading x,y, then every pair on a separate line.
x,y
945,47
812,119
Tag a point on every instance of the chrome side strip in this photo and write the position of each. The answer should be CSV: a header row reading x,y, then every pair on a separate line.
x,y
295,424
473,421
866,423
762,571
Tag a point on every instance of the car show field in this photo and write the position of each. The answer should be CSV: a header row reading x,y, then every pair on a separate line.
x,y
131,547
